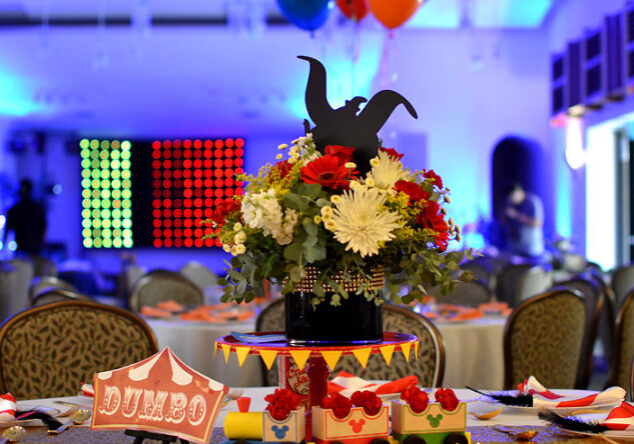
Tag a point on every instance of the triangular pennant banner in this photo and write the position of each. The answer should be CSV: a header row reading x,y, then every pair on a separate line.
x,y
331,358
405,348
362,355
268,356
416,344
387,351
300,357
226,349
242,353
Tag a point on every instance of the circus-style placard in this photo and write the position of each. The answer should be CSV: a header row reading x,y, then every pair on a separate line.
x,y
159,394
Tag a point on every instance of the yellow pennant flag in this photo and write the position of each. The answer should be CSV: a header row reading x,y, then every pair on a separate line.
x,y
268,356
331,358
362,355
416,344
215,348
242,353
226,349
300,357
405,348
387,351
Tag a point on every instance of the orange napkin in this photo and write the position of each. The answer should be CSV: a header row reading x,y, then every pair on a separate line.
x,y
346,384
152,312
467,314
170,306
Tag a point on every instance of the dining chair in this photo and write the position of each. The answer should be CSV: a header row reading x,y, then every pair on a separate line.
x,y
8,285
622,281
469,294
429,366
199,274
543,338
163,285
49,295
593,298
535,281
507,281
40,283
50,350
623,343
25,273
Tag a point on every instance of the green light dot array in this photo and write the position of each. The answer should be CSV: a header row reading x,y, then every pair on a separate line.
x,y
106,193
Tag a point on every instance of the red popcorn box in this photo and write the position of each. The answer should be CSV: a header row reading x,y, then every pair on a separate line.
x,y
357,427
433,419
291,429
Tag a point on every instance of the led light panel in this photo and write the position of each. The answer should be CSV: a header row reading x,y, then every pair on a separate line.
x,y
189,178
106,193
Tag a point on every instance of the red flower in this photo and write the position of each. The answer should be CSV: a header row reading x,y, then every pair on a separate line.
x,y
447,399
281,403
413,190
394,155
343,153
339,404
223,209
370,402
283,167
329,172
416,398
430,217
430,174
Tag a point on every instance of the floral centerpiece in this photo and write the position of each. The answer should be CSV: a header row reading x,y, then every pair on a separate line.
x,y
338,223
314,209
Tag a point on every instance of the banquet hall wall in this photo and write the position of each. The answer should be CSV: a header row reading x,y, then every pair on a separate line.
x,y
470,90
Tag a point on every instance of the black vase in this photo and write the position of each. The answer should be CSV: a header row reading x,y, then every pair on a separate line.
x,y
355,321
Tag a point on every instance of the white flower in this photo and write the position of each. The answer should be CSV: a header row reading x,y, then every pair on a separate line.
x,y
326,211
360,223
226,248
238,249
237,226
263,211
335,198
386,172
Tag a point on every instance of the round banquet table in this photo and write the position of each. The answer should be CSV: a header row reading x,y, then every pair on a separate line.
x,y
193,342
474,354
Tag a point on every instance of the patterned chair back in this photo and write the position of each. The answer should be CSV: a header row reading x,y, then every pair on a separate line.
x,y
163,285
41,283
620,373
49,295
51,350
593,297
543,337
623,281
429,367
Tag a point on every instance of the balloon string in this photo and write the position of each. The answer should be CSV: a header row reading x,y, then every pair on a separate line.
x,y
386,54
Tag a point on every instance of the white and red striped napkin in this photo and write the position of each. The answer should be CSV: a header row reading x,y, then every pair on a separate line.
x,y
621,418
87,390
542,397
8,406
346,384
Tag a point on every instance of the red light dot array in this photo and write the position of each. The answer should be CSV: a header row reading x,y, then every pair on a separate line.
x,y
191,177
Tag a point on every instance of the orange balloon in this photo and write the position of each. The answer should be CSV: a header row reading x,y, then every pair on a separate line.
x,y
393,13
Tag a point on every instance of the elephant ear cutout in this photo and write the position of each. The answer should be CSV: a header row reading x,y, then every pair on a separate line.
x,y
347,125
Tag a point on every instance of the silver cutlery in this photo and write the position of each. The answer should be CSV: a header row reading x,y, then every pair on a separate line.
x,y
13,434
77,417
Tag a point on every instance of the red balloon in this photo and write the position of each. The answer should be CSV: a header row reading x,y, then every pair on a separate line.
x,y
354,9
393,13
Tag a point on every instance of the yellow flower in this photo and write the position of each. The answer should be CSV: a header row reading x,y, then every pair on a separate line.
x,y
283,146
317,219
374,162
330,225
226,248
350,165
279,157
326,211
237,226
335,198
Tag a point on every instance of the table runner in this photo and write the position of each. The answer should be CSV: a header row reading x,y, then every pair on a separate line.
x,y
479,434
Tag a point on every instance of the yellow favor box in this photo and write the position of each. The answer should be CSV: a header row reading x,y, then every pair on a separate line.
x,y
433,419
326,426
291,429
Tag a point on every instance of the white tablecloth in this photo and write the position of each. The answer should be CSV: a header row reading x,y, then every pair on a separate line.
x,y
474,353
193,343
473,350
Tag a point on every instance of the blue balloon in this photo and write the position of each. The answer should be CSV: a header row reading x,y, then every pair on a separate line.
x,y
306,14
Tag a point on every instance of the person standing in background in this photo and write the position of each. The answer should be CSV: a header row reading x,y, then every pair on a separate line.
x,y
27,220
523,220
